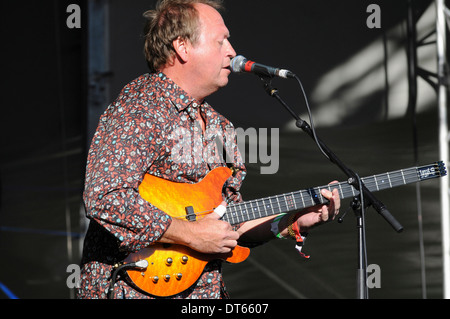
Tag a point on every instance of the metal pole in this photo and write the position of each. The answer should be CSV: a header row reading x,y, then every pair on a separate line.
x,y
443,141
98,64
98,73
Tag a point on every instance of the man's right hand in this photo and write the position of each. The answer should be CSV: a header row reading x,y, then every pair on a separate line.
x,y
208,235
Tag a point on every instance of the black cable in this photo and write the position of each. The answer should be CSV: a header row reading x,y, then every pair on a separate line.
x,y
310,117
141,264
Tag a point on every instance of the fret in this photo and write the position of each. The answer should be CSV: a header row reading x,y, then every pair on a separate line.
x,y
268,204
293,200
408,176
395,179
310,197
263,205
376,183
248,208
273,203
297,200
403,176
246,211
340,188
315,196
257,208
401,179
322,199
229,214
286,202
252,209
389,179
371,183
384,181
289,202
235,216
240,214
279,207
303,199
282,203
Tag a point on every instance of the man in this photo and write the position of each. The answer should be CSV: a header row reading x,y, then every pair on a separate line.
x,y
188,51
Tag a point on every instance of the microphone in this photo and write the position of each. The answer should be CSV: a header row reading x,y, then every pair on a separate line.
x,y
241,64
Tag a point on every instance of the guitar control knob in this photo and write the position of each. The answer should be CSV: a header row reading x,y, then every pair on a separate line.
x,y
155,279
169,261
167,277
184,259
179,275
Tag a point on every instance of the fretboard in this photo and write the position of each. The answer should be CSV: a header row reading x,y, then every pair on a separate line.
x,y
295,201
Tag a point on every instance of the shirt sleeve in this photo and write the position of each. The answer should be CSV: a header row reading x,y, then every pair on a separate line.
x,y
234,160
124,146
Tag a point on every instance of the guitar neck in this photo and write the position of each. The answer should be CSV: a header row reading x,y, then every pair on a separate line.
x,y
245,211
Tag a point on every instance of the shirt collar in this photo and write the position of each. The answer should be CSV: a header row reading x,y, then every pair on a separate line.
x,y
178,97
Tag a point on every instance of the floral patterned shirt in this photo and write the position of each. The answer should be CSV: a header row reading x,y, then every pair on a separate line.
x,y
150,128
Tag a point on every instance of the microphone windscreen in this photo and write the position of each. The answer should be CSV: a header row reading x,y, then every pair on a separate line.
x,y
237,63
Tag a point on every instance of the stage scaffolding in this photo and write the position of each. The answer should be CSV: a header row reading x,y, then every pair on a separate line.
x,y
439,81
443,83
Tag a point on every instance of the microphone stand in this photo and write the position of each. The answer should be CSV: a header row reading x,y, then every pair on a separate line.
x,y
359,203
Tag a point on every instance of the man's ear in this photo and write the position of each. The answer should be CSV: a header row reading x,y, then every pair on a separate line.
x,y
181,47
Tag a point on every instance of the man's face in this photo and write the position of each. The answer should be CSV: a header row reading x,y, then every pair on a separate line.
x,y
210,56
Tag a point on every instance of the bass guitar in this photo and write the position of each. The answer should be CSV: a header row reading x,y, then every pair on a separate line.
x,y
172,269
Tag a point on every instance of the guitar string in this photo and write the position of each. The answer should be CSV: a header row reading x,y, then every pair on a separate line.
x,y
309,191
242,210
305,196
282,207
